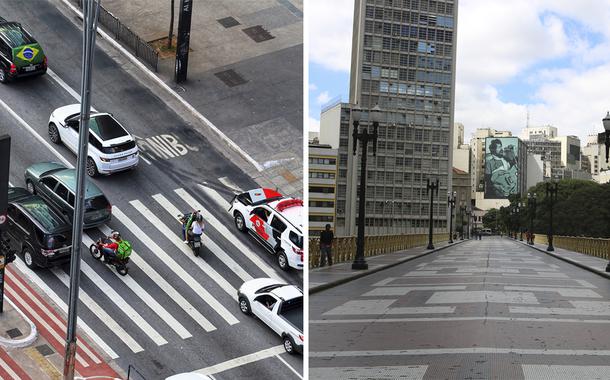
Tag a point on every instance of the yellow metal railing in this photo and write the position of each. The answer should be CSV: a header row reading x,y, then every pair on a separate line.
x,y
589,246
344,248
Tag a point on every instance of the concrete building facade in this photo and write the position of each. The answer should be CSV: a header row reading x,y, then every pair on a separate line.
x,y
322,187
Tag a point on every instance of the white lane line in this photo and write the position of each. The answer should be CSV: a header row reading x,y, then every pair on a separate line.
x,y
173,265
160,82
64,85
456,319
205,239
220,227
230,184
566,292
36,135
166,287
565,372
216,197
593,308
412,372
9,370
382,306
460,351
403,290
46,310
289,366
32,276
531,287
242,360
16,297
100,313
485,296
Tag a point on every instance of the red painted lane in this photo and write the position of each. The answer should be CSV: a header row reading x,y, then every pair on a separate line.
x,y
4,356
25,291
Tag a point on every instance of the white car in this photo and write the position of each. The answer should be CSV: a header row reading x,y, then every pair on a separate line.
x,y
275,221
278,305
111,147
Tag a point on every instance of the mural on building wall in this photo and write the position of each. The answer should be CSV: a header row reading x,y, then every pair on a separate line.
x,y
501,167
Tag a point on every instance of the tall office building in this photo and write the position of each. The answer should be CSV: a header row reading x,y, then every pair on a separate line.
x,y
403,59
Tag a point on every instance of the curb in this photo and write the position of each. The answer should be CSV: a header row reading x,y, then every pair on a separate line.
x,y
573,262
18,343
328,285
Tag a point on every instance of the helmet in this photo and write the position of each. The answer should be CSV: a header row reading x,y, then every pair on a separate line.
x,y
115,235
199,218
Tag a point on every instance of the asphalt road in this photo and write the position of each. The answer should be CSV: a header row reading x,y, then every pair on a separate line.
x,y
168,338
489,309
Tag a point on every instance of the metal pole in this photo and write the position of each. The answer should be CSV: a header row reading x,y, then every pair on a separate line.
x,y
90,13
432,187
359,261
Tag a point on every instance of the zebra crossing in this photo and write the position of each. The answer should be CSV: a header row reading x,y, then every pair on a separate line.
x,y
169,295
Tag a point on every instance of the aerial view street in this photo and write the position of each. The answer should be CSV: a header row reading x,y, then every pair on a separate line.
x,y
176,310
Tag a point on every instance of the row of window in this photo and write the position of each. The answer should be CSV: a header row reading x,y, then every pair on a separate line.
x,y
321,189
402,104
408,31
413,120
327,204
415,223
321,175
411,46
409,12
321,218
322,161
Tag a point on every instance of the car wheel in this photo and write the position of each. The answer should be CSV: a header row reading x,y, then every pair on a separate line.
x,y
28,257
54,134
244,305
3,76
282,260
92,168
240,223
288,344
30,186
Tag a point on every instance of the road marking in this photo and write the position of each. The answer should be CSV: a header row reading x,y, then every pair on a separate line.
x,y
205,240
456,319
220,227
485,296
36,135
460,351
7,368
173,265
100,313
379,307
32,276
242,360
402,291
231,185
289,366
128,309
566,292
580,308
64,85
564,372
412,372
530,286
166,287
161,83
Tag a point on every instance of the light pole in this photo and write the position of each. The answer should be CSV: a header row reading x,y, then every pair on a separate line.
x,y
431,187
520,230
531,206
451,203
468,215
606,122
551,194
365,137
462,212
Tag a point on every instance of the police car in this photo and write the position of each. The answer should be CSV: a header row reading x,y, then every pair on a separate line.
x,y
275,221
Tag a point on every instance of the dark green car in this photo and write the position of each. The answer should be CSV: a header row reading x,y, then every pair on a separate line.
x,y
57,185
38,232
20,54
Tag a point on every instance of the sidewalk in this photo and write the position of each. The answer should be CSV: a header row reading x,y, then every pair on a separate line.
x,y
32,338
327,277
590,263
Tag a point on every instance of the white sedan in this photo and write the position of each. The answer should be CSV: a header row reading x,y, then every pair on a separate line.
x,y
111,147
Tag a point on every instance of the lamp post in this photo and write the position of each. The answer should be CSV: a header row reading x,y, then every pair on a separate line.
x,y
468,215
551,194
451,203
462,212
431,187
520,230
365,137
531,206
606,122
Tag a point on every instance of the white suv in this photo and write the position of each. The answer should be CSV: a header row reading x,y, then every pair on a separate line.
x,y
276,222
111,147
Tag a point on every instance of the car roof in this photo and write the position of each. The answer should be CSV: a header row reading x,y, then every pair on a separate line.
x,y
291,209
17,193
14,35
68,178
42,214
287,292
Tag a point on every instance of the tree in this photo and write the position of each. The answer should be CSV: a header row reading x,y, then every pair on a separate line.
x,y
171,26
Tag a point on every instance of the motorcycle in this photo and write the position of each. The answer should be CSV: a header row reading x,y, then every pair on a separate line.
x,y
194,241
120,264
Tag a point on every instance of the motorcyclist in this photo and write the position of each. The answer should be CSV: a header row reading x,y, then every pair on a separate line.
x,y
110,247
187,221
197,227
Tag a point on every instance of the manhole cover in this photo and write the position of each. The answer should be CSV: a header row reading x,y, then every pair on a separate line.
x,y
13,333
231,78
258,33
45,350
228,22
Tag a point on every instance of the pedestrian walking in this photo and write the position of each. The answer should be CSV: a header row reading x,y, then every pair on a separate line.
x,y
326,243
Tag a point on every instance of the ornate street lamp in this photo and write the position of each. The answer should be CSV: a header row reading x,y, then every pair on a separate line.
x,y
551,194
462,213
606,122
468,215
519,209
365,137
531,205
451,203
431,187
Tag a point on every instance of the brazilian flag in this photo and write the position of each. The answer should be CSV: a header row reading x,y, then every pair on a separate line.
x,y
26,55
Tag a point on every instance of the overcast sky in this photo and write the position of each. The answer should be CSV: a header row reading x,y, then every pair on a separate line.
x,y
551,56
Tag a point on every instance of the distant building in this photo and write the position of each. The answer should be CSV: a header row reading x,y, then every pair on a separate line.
x,y
535,170
322,187
535,133
462,156
595,154
477,162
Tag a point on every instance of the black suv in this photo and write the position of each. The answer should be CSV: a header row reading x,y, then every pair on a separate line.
x,y
20,54
36,231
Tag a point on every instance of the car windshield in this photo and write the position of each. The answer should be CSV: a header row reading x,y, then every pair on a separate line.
x,y
296,239
106,127
96,203
49,220
14,34
269,288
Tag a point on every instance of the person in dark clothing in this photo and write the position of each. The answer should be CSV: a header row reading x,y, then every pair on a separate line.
x,y
326,243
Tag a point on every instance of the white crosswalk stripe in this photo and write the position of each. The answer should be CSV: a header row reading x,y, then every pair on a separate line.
x,y
166,287
207,242
144,296
173,265
220,227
